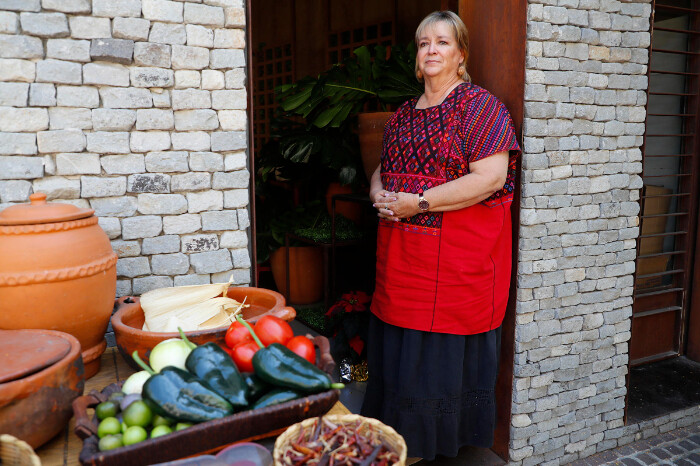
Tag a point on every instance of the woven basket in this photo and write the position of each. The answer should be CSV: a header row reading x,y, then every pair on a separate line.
x,y
16,452
387,434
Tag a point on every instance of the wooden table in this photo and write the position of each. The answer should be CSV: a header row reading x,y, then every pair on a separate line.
x,y
65,448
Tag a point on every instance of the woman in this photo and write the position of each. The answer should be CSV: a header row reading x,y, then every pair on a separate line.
x,y
443,192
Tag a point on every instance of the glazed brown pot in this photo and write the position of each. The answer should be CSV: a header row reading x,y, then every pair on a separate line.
x,y
57,272
305,273
128,321
370,128
43,374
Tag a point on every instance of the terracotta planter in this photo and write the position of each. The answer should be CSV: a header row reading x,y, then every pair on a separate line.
x,y
371,132
41,375
128,321
57,272
306,273
348,209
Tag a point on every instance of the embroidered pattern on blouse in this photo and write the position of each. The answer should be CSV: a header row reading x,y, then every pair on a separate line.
x,y
424,148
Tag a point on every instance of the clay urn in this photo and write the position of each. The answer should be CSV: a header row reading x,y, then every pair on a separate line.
x,y
40,376
57,272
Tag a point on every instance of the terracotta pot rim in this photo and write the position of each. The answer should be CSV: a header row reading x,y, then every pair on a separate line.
x,y
119,325
73,353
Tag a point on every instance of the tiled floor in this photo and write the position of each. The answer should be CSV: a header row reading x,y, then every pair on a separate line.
x,y
663,387
679,447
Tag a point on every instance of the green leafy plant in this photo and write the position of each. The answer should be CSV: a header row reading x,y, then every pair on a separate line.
x,y
320,231
377,79
277,216
302,152
313,140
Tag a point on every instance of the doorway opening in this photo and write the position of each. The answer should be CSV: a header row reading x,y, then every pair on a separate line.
x,y
665,339
289,40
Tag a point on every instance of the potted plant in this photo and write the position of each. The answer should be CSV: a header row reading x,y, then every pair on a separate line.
x,y
364,82
313,144
276,216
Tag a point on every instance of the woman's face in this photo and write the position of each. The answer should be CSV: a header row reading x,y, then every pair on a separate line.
x,y
438,51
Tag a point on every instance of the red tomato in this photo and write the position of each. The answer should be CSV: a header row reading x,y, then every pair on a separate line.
x,y
272,329
303,347
242,355
237,333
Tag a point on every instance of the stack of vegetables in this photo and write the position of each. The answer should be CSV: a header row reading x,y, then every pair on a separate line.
x,y
188,384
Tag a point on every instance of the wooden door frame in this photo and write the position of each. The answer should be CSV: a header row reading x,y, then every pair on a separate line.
x,y
497,43
251,143
692,342
690,336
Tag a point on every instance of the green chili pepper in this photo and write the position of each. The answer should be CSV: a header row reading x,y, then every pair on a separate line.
x,y
279,366
256,386
177,394
276,396
213,365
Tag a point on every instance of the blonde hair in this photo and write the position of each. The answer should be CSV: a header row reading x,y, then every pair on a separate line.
x,y
459,31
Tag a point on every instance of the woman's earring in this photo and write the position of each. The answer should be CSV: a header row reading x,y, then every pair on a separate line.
x,y
419,74
461,71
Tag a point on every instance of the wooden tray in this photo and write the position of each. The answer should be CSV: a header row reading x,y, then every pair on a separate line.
x,y
204,438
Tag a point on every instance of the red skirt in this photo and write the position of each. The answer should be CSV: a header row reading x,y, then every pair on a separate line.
x,y
454,279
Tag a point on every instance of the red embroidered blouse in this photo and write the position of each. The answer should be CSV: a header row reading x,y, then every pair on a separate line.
x,y
446,272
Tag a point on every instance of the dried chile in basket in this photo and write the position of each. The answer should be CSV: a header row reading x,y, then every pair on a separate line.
x,y
279,366
213,365
179,395
326,443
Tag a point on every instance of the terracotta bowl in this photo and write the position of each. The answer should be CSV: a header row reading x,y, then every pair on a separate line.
x,y
128,321
37,406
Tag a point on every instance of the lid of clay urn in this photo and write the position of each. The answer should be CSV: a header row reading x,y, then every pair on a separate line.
x,y
26,352
40,211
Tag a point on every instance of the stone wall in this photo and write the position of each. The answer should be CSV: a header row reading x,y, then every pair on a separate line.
x,y
585,102
137,109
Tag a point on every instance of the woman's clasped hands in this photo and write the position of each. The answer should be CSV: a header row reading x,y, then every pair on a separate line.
x,y
394,206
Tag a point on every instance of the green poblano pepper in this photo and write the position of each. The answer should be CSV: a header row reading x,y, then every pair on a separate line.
x,y
180,395
183,396
276,396
256,386
279,366
213,365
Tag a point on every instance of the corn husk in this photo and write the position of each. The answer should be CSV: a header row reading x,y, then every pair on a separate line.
x,y
193,307
162,300
223,318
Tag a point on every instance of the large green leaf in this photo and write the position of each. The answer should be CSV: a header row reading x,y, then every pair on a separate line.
x,y
296,100
326,116
342,114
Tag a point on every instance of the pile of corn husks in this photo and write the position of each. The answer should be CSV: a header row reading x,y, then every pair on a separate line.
x,y
193,307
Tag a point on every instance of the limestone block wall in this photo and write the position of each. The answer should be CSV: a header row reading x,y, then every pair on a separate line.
x,y
137,109
585,102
